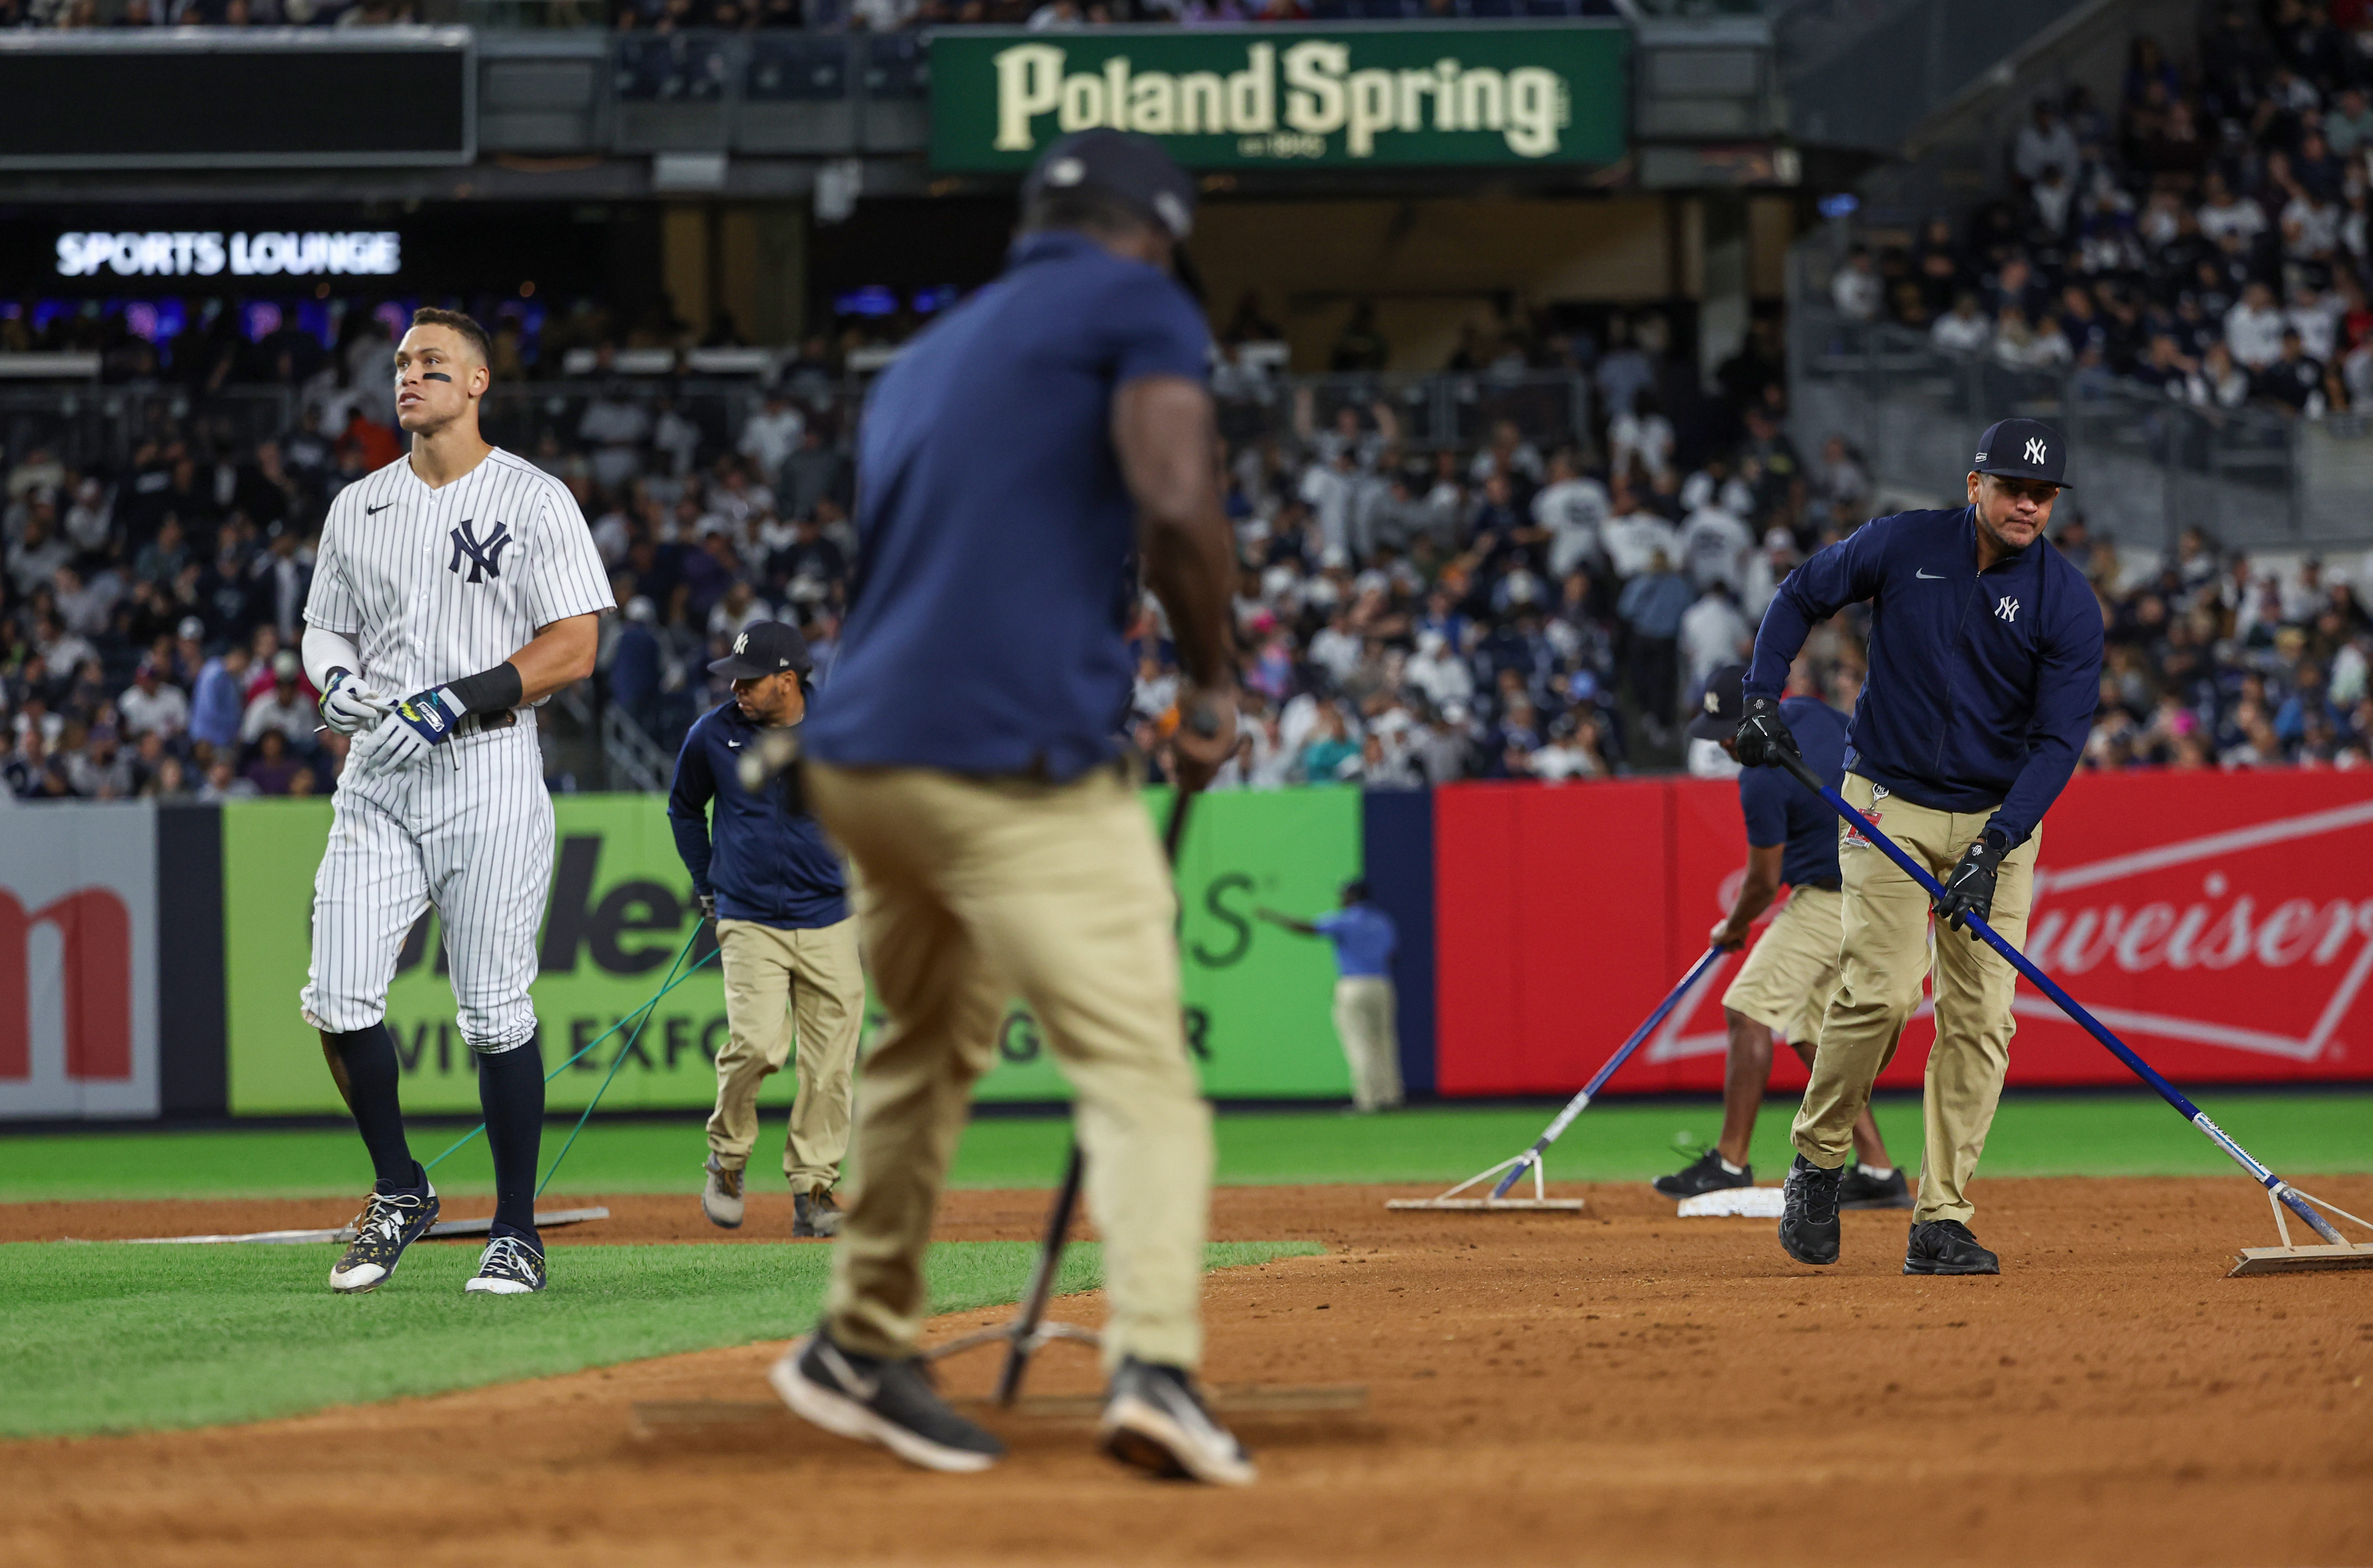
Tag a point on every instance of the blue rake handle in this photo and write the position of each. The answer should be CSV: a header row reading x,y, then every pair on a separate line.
x,y
2281,1189
1581,1102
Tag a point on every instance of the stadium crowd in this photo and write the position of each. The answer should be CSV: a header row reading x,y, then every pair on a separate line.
x,y
870,16
2205,237
1521,609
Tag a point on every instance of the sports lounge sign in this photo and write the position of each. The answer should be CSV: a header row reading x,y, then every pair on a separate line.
x,y
1344,97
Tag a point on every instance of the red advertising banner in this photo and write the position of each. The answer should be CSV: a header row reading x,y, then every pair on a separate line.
x,y
2221,923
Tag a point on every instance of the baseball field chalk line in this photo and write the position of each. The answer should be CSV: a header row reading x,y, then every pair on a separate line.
x,y
346,1233
1535,1158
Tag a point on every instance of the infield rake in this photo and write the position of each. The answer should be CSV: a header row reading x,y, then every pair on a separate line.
x,y
2336,1250
1511,1172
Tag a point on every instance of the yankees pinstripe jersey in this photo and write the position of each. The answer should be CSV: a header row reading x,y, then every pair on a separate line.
x,y
437,584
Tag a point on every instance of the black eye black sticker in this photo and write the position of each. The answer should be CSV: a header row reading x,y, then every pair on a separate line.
x,y
436,376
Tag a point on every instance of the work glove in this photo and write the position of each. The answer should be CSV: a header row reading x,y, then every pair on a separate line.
x,y
1969,891
349,706
421,723
1763,736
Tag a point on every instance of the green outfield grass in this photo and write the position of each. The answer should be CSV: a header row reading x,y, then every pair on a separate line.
x,y
2034,1135
120,1336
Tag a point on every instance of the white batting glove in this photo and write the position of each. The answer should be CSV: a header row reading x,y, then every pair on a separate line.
x,y
389,748
349,706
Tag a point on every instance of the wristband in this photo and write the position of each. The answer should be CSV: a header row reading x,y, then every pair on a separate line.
x,y
497,690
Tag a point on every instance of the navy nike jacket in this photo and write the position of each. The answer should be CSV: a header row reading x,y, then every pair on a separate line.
x,y
769,861
1982,685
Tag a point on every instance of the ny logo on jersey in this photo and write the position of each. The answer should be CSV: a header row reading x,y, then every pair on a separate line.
x,y
485,554
2008,609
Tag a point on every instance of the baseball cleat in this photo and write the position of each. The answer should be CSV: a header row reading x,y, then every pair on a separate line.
x,y
1809,1214
889,1403
1705,1174
1861,1191
814,1214
1946,1247
389,1222
508,1266
721,1195
1154,1420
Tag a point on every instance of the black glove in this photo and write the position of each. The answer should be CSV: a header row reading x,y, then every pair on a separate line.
x,y
708,902
1763,735
1970,889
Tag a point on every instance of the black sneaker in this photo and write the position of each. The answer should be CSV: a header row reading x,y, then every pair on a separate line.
x,y
891,1403
389,1223
1809,1214
1706,1173
1861,1190
1154,1419
1946,1247
510,1267
814,1214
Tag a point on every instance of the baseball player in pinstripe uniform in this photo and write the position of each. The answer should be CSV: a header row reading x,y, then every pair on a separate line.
x,y
454,589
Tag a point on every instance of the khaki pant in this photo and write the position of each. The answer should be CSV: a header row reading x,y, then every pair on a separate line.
x,y
1786,982
1372,1040
1884,951
775,980
968,892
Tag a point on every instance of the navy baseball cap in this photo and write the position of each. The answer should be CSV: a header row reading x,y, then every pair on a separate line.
x,y
1134,169
2023,449
1725,703
765,648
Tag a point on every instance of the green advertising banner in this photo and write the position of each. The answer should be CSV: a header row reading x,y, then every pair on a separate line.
x,y
1258,999
1347,96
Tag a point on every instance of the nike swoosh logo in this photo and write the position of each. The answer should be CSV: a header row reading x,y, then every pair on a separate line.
x,y
732,745
374,511
1932,577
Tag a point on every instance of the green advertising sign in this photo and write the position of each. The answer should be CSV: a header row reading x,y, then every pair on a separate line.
x,y
1348,96
1258,999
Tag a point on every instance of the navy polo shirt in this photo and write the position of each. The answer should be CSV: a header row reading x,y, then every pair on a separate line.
x,y
1781,811
996,538
1983,684
766,860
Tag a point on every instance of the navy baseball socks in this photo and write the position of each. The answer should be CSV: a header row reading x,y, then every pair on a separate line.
x,y
403,1205
510,1091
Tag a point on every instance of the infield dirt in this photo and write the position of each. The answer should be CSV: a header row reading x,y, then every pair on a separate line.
x,y
1624,1387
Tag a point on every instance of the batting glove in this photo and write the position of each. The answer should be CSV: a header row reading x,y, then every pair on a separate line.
x,y
421,723
1969,891
708,905
349,706
1763,736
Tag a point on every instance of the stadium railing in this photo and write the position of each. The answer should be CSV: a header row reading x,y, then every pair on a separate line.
x,y
2150,465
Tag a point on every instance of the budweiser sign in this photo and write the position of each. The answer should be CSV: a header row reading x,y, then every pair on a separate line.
x,y
2221,924
2255,938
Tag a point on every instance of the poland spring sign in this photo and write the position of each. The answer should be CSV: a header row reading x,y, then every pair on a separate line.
x,y
1346,98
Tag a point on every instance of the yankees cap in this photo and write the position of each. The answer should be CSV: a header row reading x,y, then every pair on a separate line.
x,y
1135,169
765,648
1723,704
2023,449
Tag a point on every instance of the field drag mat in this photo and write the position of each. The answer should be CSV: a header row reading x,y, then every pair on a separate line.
x,y
1622,1387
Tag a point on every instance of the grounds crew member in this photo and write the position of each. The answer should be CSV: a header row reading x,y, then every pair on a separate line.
x,y
1791,838
1021,452
772,883
1985,663
1364,939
